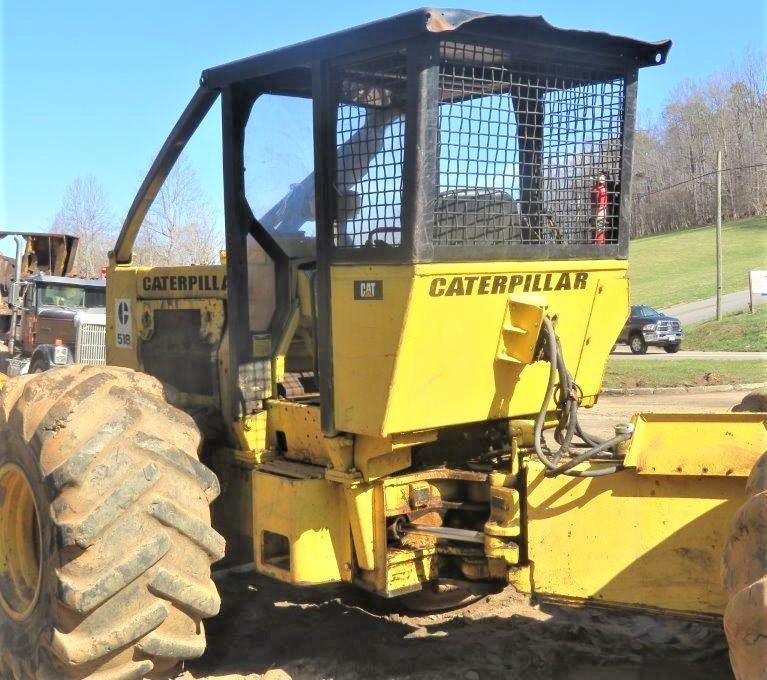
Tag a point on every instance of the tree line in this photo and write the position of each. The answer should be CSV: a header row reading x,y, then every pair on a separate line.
x,y
672,185
674,157
180,228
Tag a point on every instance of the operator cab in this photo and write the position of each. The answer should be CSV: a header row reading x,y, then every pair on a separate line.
x,y
434,137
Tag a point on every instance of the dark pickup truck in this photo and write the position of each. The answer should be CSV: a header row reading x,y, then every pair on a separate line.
x,y
647,327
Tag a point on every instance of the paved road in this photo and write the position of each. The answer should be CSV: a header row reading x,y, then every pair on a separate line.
x,y
704,310
623,352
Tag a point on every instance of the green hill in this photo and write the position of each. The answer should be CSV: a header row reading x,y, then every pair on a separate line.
x,y
741,332
681,267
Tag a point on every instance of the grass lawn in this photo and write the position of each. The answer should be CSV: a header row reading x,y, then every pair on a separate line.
x,y
644,372
742,332
681,267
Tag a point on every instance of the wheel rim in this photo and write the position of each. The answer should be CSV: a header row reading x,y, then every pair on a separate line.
x,y
20,544
636,344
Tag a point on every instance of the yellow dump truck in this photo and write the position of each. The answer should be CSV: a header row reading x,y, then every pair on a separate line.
x,y
388,389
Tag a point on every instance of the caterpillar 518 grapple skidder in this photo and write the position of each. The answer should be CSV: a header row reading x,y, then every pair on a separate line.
x,y
386,373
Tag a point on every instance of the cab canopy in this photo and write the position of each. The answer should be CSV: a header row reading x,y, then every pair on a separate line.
x,y
439,134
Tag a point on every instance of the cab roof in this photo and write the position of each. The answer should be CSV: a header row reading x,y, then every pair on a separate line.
x,y
67,280
425,21
35,234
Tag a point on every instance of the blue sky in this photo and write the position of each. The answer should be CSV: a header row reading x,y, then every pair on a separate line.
x,y
93,87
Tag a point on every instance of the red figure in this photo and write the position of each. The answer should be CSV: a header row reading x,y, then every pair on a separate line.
x,y
599,208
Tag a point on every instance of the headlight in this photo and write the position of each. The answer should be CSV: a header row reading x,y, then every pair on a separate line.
x,y
60,354
648,327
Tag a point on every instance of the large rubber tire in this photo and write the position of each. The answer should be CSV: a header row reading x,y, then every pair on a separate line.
x,y
123,511
744,570
755,402
671,349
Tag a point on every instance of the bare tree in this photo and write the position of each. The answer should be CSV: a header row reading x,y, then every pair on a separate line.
x,y
85,212
674,158
179,229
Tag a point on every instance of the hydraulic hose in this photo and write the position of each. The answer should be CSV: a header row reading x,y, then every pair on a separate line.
x,y
568,426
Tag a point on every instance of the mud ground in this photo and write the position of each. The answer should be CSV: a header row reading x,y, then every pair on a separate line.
x,y
270,631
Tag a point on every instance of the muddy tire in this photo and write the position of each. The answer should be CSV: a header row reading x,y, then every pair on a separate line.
x,y
744,569
110,579
755,401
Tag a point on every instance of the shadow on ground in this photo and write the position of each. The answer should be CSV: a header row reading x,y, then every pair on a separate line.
x,y
267,628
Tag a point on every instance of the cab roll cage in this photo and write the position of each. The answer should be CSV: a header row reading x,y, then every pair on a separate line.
x,y
427,38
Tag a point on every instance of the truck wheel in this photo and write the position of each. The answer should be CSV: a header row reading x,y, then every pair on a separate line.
x,y
671,349
37,367
744,570
105,536
637,344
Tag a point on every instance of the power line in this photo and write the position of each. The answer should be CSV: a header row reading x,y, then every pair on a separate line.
x,y
697,177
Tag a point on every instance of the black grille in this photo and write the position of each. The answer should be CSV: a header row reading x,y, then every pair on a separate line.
x,y
178,354
521,149
370,138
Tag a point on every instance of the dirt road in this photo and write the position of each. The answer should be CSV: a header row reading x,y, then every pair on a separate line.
x,y
619,409
273,632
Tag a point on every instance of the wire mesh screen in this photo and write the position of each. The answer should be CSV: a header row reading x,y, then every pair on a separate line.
x,y
370,139
529,152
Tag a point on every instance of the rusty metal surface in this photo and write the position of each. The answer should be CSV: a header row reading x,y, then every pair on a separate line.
x,y
53,254
434,505
439,473
291,469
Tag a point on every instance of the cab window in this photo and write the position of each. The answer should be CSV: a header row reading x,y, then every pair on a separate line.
x,y
279,167
72,296
95,297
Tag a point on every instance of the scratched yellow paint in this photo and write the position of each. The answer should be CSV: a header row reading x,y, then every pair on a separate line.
x,y
631,539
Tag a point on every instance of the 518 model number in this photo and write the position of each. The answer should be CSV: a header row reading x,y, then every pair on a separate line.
x,y
123,323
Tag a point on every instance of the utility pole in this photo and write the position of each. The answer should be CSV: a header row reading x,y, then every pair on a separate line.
x,y
718,235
